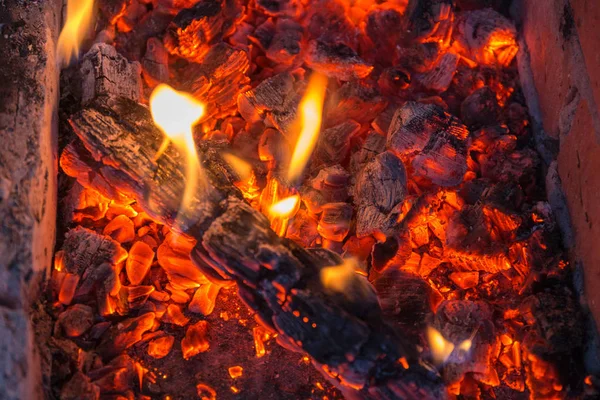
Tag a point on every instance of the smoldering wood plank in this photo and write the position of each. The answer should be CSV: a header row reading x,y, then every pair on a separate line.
x,y
346,336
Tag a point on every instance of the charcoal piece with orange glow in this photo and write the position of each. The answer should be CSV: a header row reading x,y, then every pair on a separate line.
x,y
355,100
280,8
334,144
75,320
380,187
271,95
439,77
432,141
217,80
286,45
469,327
430,20
278,280
480,108
336,60
155,63
123,335
486,37
195,29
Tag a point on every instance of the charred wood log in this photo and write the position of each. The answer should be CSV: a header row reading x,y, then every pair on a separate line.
x,y
345,335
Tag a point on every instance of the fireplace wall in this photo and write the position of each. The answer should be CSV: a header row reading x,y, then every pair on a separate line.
x,y
560,73
28,168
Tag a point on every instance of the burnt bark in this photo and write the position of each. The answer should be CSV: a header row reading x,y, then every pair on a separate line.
x,y
344,333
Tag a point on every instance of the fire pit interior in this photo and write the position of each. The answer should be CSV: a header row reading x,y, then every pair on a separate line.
x,y
303,199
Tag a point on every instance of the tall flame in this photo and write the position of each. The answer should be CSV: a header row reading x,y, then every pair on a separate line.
x,y
176,113
441,348
310,117
339,277
79,20
281,212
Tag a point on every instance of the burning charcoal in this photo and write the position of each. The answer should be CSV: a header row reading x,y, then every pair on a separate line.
x,y
123,335
285,46
195,29
73,164
178,295
105,72
439,77
195,341
380,187
468,325
385,27
155,64
280,8
130,17
133,298
76,320
160,347
486,37
435,140
303,229
174,257
334,144
419,57
153,24
263,34
112,9
174,316
480,108
335,221
328,21
85,249
117,376
332,183
336,61
405,299
219,79
373,145
139,262
465,280
312,199
272,147
271,94
120,229
205,299
552,313
355,100
79,387
393,81
430,20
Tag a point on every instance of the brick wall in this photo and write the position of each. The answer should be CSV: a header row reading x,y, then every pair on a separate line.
x,y
562,38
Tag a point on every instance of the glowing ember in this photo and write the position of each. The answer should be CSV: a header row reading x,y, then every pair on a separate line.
x,y
205,392
176,113
195,341
235,371
310,115
160,347
260,336
79,20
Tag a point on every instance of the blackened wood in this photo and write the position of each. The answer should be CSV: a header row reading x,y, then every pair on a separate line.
x,y
345,335
336,60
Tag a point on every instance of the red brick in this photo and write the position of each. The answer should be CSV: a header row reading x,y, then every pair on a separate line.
x,y
586,16
579,167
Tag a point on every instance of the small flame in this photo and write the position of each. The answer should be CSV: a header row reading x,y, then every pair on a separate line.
x,y
79,20
285,208
176,113
310,117
241,167
338,277
440,347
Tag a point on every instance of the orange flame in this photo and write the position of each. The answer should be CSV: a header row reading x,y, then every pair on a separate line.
x,y
79,20
339,277
440,347
176,113
241,167
310,117
285,208
281,212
